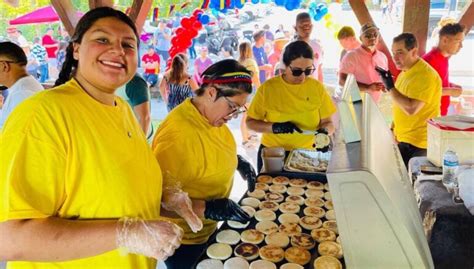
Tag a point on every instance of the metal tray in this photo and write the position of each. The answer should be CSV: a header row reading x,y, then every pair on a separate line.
x,y
314,252
317,155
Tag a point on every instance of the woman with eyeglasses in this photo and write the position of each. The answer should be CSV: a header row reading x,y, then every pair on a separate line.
x,y
286,105
197,151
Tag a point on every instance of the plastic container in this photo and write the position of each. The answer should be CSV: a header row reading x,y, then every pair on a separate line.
x,y
450,169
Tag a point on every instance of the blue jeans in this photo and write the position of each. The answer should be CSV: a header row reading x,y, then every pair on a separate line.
x,y
151,78
44,73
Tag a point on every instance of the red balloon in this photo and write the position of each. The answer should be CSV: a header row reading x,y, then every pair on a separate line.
x,y
197,25
192,33
197,12
175,40
180,31
186,23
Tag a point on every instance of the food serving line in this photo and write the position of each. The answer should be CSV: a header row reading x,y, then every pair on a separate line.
x,y
366,188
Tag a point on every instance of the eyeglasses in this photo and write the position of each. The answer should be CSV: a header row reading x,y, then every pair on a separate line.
x,y
373,35
235,108
298,71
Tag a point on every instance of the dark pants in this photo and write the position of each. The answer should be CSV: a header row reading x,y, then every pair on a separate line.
x,y
409,151
185,256
260,160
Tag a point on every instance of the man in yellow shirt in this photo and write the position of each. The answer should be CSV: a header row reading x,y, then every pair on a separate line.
x,y
416,96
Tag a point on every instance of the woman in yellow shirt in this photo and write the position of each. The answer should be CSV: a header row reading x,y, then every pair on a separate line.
x,y
197,152
287,104
78,180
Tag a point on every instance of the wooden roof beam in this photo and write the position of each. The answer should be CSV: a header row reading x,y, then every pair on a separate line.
x,y
67,13
139,12
415,21
363,16
467,17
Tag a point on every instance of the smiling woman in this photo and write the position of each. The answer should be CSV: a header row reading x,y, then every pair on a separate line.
x,y
71,157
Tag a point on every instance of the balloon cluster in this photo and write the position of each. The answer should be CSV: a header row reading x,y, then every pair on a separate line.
x,y
317,11
183,36
289,4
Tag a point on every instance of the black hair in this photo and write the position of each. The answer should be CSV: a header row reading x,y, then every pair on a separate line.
x,y
451,29
228,49
13,52
408,39
229,89
302,16
84,24
295,50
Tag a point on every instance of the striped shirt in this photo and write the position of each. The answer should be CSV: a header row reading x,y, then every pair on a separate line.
x,y
178,93
39,52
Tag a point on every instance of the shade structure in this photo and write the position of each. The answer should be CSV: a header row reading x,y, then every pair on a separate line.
x,y
41,15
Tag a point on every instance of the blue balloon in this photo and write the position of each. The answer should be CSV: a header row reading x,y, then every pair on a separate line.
x,y
238,4
198,17
265,1
255,1
280,2
204,19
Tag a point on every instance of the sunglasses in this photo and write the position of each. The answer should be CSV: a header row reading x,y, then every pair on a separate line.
x,y
298,71
236,110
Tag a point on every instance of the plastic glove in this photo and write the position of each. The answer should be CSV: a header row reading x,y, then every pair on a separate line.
x,y
387,78
174,199
225,209
285,128
247,172
156,239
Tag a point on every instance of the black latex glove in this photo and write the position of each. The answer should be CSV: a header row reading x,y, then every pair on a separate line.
x,y
387,78
285,128
225,209
322,131
247,172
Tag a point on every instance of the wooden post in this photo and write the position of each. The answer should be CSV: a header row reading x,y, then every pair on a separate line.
x,y
67,14
139,12
415,21
100,3
467,17
363,16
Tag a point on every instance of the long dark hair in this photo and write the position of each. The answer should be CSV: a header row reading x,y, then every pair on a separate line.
x,y
177,71
85,23
228,89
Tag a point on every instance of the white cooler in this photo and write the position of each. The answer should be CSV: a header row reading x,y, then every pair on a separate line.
x,y
453,132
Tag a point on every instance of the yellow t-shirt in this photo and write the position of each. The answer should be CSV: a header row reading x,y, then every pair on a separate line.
x,y
420,82
201,157
303,104
64,154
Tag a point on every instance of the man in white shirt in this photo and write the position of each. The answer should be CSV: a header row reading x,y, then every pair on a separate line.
x,y
303,29
14,76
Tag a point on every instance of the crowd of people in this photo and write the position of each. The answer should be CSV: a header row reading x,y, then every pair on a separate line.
x,y
85,177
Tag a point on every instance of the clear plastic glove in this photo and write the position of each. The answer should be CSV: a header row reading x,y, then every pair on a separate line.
x,y
225,209
285,128
156,239
247,172
386,77
178,201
